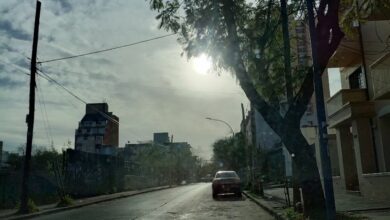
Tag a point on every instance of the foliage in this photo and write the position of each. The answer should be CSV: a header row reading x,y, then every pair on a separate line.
x,y
65,201
43,159
31,207
15,161
361,10
293,215
229,153
202,29
168,164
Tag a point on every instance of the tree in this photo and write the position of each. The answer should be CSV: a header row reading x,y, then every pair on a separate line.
x,y
166,163
246,39
229,153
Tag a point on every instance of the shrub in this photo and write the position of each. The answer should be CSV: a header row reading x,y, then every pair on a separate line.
x,y
293,215
31,207
65,201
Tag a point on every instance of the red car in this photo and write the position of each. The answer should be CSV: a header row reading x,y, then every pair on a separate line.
x,y
226,182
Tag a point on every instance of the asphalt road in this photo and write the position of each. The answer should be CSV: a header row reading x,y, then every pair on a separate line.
x,y
185,202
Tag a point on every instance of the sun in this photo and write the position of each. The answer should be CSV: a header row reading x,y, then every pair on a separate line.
x,y
202,64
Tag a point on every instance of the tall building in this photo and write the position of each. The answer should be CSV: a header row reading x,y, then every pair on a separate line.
x,y
98,130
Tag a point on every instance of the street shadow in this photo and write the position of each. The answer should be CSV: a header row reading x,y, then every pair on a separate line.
x,y
229,197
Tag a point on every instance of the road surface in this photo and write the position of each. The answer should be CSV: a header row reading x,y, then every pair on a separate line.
x,y
185,202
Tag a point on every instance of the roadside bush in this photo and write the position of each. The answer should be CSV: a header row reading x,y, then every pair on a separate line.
x,y
31,207
293,215
65,201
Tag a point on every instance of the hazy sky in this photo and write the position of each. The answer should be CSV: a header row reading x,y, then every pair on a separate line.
x,y
150,87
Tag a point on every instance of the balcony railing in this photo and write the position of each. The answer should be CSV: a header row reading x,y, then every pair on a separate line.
x,y
343,97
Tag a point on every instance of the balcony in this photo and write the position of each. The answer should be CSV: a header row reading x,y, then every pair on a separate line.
x,y
380,76
348,104
347,54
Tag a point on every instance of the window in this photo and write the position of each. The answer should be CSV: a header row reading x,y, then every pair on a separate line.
x,y
356,79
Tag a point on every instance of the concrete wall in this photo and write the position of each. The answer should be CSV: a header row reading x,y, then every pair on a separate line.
x,y
374,34
375,186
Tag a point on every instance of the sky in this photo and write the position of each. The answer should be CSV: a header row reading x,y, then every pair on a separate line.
x,y
334,80
150,86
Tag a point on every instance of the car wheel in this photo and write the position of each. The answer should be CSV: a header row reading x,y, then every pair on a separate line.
x,y
215,194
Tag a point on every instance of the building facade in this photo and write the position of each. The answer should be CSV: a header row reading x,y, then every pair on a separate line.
x,y
360,111
98,130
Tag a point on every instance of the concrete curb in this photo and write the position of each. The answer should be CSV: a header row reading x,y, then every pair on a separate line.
x,y
56,210
265,206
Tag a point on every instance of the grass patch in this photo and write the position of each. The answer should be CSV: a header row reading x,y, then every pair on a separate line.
x,y
290,214
31,207
65,201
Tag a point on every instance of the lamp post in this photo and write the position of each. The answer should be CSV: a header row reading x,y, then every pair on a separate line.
x,y
227,124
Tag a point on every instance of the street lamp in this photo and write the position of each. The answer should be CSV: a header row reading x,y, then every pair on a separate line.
x,y
214,119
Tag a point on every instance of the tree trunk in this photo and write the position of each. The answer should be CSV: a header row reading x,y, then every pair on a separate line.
x,y
307,172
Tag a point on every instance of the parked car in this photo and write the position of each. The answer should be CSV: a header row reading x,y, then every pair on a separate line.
x,y
226,182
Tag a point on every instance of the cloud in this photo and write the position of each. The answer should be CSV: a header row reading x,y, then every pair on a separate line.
x,y
7,82
8,30
150,87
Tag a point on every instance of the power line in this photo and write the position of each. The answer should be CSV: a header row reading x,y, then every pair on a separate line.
x,y
105,50
42,108
16,67
50,79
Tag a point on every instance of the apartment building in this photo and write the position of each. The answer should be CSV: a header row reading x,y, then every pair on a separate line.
x,y
360,111
98,130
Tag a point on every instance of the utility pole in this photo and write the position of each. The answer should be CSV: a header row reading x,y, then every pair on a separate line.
x,y
30,116
321,117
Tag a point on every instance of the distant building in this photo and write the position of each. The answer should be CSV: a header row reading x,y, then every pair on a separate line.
x,y
161,138
98,130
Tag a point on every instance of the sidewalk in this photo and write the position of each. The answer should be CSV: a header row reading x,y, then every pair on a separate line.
x,y
275,208
345,202
51,208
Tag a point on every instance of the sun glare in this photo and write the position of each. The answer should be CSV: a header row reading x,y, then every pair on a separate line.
x,y
202,64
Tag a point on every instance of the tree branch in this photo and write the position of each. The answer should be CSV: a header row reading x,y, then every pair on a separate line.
x,y
271,115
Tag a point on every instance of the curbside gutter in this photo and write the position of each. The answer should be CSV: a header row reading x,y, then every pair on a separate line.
x,y
265,206
100,200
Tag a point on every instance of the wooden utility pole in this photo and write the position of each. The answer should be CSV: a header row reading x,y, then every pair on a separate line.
x,y
30,117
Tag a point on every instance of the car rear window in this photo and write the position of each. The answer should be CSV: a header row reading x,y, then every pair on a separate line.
x,y
226,175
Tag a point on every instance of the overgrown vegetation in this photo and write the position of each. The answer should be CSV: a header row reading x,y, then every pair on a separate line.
x,y
31,207
167,164
290,214
65,201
